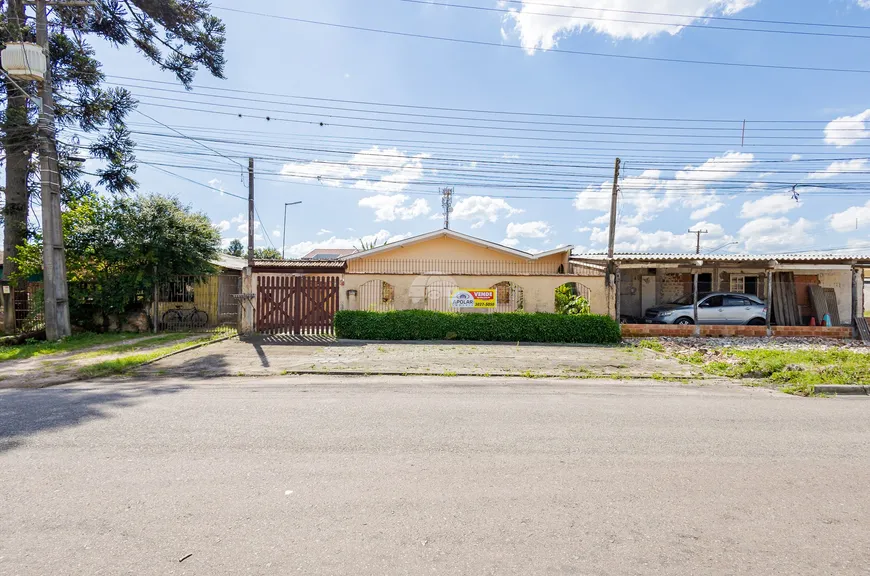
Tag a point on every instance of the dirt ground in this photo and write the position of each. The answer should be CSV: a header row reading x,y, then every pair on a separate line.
x,y
282,355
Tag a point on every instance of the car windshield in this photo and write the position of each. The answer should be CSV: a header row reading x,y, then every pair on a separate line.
x,y
687,299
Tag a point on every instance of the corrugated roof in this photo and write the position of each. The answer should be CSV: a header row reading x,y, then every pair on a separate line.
x,y
332,253
312,264
230,262
818,257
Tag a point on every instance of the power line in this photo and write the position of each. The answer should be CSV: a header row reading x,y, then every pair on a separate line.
x,y
644,22
555,50
192,181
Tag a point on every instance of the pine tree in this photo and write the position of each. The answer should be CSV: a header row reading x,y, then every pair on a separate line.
x,y
178,36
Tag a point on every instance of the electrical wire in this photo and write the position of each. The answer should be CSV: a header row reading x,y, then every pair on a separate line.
x,y
467,41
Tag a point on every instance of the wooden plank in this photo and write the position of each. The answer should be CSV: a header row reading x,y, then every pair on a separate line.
x,y
833,306
819,302
793,310
863,329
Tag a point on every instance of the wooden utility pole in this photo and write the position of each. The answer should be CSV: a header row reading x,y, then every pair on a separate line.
x,y
250,212
698,233
609,280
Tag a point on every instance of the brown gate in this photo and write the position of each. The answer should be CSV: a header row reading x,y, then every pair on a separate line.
x,y
297,304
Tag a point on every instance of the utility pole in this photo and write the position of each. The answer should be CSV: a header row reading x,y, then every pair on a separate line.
x,y
57,323
698,233
447,205
611,245
251,213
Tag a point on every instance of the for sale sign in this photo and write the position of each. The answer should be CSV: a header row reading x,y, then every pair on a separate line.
x,y
473,299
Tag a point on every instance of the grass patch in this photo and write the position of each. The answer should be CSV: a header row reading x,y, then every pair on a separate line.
x,y
75,342
651,344
133,347
795,371
123,365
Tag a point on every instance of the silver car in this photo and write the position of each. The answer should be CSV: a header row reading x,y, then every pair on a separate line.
x,y
716,308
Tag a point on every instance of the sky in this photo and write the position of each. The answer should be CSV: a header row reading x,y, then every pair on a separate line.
x,y
759,138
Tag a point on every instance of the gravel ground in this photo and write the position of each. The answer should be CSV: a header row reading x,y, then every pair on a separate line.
x,y
689,345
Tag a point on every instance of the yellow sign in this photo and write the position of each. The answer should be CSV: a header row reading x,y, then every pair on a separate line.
x,y
471,298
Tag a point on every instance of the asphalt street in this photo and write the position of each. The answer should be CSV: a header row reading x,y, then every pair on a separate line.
x,y
330,475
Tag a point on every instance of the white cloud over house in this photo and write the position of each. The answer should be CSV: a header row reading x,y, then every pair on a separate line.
x,y
541,26
395,207
768,205
536,229
770,234
851,219
381,236
847,130
841,167
482,209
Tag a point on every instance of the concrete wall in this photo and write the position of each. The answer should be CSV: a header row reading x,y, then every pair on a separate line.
x,y
539,292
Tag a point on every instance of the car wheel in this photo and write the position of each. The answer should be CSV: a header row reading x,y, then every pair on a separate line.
x,y
757,322
684,321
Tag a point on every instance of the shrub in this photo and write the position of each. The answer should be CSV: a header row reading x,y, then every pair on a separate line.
x,y
512,327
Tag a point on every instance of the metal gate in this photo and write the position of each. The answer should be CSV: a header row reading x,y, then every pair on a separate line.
x,y
297,304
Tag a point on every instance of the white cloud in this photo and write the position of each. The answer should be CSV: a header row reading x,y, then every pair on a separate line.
x,y
324,231
222,226
537,31
276,233
584,229
766,234
511,242
856,217
375,169
840,167
706,211
795,157
643,193
389,208
847,130
633,239
302,248
483,209
767,205
535,229
216,183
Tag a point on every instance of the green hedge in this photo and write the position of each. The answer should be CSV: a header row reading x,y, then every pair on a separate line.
x,y
513,327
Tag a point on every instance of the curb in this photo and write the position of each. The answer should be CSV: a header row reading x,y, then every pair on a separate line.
x,y
843,390
362,373
188,349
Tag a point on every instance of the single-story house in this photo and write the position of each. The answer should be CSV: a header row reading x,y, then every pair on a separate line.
x,y
647,280
213,295
424,272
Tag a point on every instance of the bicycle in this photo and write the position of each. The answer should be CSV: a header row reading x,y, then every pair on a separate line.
x,y
192,318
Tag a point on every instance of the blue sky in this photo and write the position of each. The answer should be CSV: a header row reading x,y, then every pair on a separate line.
x,y
539,177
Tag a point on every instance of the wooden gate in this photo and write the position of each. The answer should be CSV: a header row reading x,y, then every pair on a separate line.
x,y
296,304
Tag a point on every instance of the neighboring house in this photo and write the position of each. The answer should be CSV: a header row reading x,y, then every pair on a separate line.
x,y
213,295
329,253
648,280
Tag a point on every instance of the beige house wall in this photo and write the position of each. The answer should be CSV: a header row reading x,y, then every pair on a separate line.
x,y
447,249
539,292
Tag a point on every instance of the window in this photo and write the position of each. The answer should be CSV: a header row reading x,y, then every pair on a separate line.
x,y
177,291
734,301
712,302
742,284
705,283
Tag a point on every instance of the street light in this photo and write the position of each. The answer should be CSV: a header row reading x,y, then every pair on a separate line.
x,y
284,235
723,246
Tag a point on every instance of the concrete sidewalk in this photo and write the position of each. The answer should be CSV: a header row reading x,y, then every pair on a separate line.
x,y
282,355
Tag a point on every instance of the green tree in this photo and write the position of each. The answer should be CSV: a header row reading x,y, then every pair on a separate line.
x,y
118,248
236,248
176,35
266,254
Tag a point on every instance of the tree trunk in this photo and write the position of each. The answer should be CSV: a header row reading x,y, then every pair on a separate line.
x,y
17,141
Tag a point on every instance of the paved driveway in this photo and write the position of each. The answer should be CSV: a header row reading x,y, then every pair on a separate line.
x,y
329,475
280,355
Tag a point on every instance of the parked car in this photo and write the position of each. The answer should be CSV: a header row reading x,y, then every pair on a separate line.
x,y
715,308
